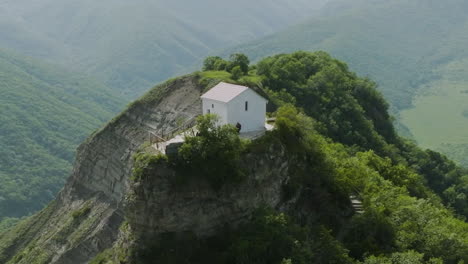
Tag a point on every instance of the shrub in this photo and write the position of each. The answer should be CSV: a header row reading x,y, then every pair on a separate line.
x,y
269,237
214,154
84,210
240,60
214,63
144,161
236,73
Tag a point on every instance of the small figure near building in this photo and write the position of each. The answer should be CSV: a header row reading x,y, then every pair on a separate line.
x,y
239,127
237,105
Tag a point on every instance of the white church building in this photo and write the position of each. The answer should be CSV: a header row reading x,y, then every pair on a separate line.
x,y
236,104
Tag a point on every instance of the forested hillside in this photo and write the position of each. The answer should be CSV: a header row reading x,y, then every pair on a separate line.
x,y
131,45
341,143
45,114
285,197
414,50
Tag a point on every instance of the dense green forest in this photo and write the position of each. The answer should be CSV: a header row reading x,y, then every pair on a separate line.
x,y
340,141
45,114
133,45
349,110
414,50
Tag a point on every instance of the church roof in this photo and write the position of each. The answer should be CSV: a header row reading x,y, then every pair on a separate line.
x,y
224,92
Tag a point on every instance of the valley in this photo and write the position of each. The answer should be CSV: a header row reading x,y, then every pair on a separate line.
x,y
410,49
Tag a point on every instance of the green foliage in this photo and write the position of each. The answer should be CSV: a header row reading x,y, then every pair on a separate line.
x,y
293,127
403,219
17,238
83,211
216,75
269,237
45,114
349,110
239,60
236,73
409,257
214,63
399,174
448,180
371,232
104,257
388,41
238,65
328,92
456,152
281,97
214,154
145,161
436,124
297,133
393,220
7,223
209,79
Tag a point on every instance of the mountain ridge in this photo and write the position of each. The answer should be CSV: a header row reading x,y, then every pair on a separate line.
x,y
162,37
111,208
411,49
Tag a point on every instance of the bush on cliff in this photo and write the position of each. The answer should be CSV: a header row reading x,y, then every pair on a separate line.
x,y
214,153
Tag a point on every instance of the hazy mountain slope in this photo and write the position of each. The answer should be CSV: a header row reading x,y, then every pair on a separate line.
x,y
45,113
133,44
408,47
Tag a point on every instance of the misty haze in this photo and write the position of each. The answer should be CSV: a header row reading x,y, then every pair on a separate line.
x,y
214,131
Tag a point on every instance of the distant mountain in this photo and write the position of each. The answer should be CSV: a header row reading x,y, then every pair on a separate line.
x,y
133,44
44,114
415,50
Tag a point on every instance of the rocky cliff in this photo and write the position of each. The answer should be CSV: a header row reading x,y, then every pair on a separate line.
x,y
86,216
282,198
157,205
100,197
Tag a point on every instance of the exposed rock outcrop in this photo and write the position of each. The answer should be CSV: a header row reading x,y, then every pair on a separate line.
x,y
102,206
157,205
85,218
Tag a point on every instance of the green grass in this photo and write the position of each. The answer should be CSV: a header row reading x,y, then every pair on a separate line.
x,y
83,211
213,77
438,120
220,75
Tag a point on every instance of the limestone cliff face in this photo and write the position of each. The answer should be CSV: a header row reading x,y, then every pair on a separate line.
x,y
156,205
85,218
104,163
88,215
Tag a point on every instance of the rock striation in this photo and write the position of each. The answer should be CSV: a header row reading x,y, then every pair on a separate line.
x,y
86,215
103,208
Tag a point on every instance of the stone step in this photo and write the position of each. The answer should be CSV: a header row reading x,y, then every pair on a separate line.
x,y
356,203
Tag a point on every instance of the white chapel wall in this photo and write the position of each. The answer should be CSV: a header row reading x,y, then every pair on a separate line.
x,y
216,107
254,118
